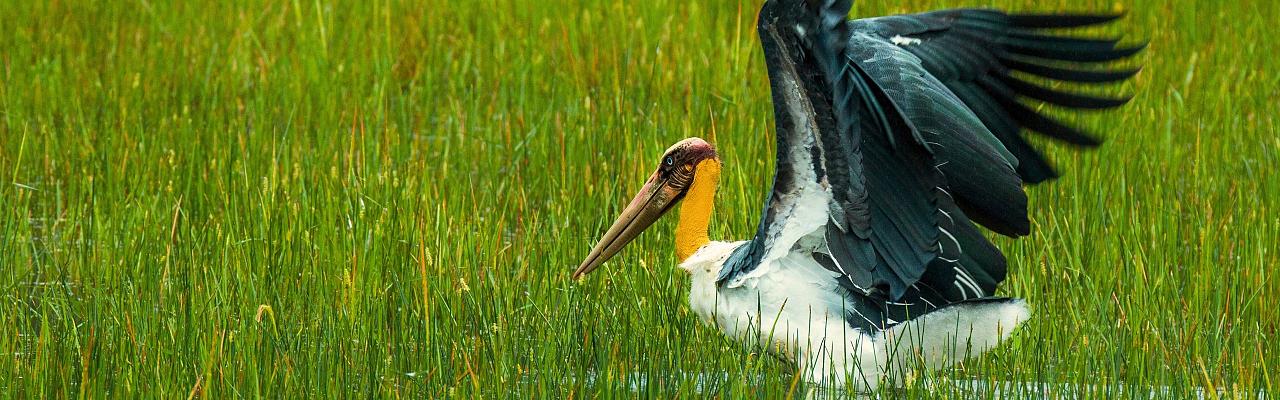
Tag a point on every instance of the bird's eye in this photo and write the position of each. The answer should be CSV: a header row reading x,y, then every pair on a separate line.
x,y
669,161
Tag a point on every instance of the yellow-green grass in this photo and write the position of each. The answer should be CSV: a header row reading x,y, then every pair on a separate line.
x,y
308,198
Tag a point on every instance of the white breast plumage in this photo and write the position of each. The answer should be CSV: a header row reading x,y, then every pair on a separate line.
x,y
796,311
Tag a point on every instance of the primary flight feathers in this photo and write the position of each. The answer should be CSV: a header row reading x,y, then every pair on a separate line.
x,y
915,123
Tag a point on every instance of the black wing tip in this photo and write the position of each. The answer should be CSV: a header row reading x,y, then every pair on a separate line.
x,y
1036,178
1064,48
1130,50
1138,46
1038,171
1066,134
1011,221
1123,74
1091,142
1022,229
1123,52
1065,74
1062,98
1063,20
1030,119
1093,56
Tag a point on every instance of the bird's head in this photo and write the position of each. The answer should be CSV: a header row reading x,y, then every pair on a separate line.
x,y
667,185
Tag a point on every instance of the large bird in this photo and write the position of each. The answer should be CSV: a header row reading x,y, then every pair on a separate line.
x,y
896,136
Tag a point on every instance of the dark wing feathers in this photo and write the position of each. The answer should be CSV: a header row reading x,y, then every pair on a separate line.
x,y
903,183
976,52
1065,99
977,176
913,125
1048,20
808,149
1070,75
839,129
1025,117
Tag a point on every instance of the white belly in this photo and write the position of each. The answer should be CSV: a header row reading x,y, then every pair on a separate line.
x,y
796,311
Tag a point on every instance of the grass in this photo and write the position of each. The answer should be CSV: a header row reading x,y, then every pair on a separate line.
x,y
385,199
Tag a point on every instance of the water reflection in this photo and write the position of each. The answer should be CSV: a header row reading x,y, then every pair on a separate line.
x,y
705,383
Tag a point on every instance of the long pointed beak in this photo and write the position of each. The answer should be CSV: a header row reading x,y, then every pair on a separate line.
x,y
649,204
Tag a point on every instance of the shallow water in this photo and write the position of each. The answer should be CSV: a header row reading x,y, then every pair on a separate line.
x,y
977,388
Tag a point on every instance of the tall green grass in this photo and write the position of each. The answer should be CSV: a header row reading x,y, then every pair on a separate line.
x,y
312,198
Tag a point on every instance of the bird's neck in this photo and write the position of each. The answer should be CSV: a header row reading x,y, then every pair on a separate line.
x,y
695,209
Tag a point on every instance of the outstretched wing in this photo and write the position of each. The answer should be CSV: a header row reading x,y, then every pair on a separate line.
x,y
847,161
877,149
976,52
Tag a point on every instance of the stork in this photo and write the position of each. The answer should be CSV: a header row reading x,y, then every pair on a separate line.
x,y
896,136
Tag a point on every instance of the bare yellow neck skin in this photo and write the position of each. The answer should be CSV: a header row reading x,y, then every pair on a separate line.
x,y
695,209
